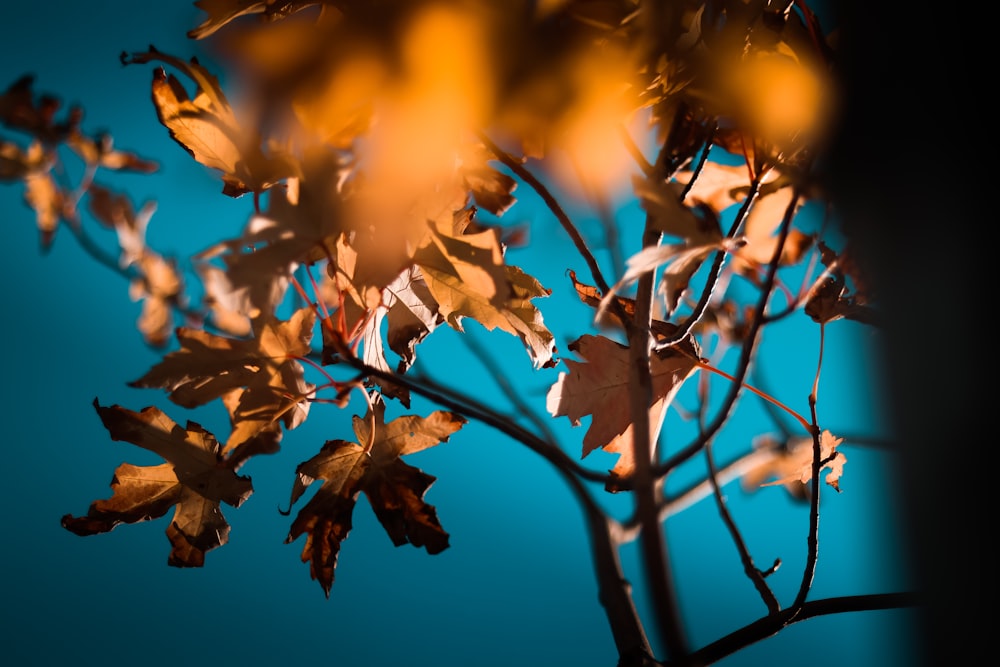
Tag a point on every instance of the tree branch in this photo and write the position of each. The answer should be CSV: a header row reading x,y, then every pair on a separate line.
x,y
768,626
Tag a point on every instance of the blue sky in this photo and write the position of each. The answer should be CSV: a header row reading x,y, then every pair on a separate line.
x,y
516,585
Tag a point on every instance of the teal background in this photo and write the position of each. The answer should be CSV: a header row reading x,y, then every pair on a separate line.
x,y
516,585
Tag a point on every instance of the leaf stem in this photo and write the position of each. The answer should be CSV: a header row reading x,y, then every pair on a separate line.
x,y
767,397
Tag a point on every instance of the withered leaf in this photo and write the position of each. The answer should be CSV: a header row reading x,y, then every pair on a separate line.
x,y
195,479
491,190
47,199
467,277
668,214
598,387
230,306
266,366
206,127
394,488
792,463
20,110
831,299
413,314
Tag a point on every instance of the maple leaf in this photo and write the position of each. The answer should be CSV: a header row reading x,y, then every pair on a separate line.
x,y
412,314
491,189
17,163
668,214
115,211
832,300
209,366
607,316
158,286
467,277
792,463
206,127
157,283
394,489
598,387
195,479
760,233
720,186
41,192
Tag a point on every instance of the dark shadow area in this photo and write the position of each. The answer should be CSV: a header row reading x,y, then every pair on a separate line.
x,y
911,192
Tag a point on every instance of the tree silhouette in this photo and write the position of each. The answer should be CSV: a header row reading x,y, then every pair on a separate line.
x,y
677,151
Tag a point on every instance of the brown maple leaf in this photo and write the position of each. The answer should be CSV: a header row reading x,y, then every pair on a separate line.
x,y
467,276
394,488
206,126
266,367
791,465
195,479
832,299
598,387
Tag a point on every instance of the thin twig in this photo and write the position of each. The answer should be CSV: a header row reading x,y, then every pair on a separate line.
x,y
554,206
812,555
749,567
684,329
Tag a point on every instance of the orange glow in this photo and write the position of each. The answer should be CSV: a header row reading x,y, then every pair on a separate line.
x,y
440,95
590,131
342,110
783,99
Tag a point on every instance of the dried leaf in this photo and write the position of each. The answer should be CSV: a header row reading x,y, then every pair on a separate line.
x,y
598,387
206,127
792,464
394,489
195,479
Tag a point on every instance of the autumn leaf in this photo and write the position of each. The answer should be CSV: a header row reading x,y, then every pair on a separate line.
x,y
760,232
598,387
412,314
467,277
157,287
831,299
266,366
791,466
206,127
230,306
20,109
668,214
491,190
394,488
47,199
195,479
